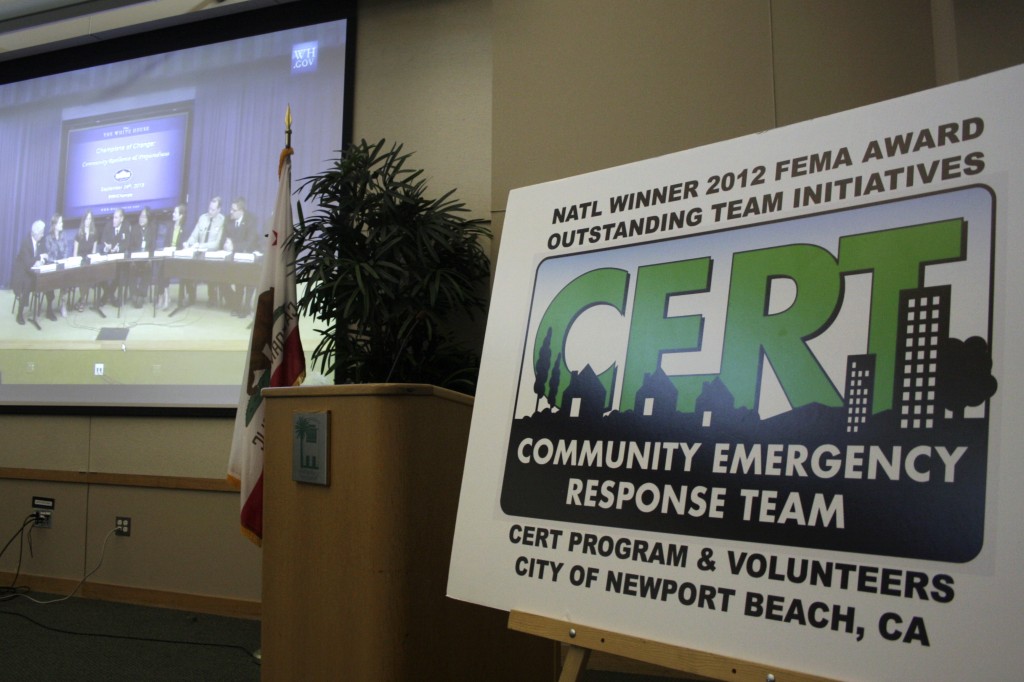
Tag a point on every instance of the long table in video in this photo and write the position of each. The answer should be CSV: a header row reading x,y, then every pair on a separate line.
x,y
116,277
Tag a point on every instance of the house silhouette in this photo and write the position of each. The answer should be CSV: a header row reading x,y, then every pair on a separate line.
x,y
657,396
585,396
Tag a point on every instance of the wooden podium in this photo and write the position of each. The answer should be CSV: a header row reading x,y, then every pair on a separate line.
x,y
355,572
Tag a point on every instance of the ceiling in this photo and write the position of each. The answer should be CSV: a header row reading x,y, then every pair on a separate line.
x,y
34,26
23,13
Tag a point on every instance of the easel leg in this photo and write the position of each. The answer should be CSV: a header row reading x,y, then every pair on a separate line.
x,y
575,663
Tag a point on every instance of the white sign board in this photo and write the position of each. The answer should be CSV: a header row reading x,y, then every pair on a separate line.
x,y
760,398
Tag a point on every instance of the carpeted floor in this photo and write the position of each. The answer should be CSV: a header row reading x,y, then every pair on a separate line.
x,y
85,640
81,640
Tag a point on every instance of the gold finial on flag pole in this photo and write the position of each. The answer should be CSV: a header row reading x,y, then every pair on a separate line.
x,y
287,151
288,126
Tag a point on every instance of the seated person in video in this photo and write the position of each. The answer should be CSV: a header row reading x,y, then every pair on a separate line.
x,y
208,235
173,237
115,240
86,242
240,235
141,237
31,252
209,230
56,249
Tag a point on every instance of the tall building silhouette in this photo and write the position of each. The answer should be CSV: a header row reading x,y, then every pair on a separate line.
x,y
923,325
860,389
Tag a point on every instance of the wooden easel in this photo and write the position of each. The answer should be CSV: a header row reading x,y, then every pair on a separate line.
x,y
582,640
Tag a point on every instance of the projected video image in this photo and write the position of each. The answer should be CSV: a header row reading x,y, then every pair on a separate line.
x,y
134,161
135,202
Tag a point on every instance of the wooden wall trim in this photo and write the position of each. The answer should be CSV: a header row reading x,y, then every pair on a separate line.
x,y
197,603
130,480
355,390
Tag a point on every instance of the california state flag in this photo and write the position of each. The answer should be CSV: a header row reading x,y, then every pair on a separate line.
x,y
275,357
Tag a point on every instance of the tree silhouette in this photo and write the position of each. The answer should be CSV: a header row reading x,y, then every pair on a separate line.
x,y
553,383
540,370
964,374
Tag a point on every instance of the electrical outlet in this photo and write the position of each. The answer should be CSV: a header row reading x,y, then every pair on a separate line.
x,y
42,511
97,369
124,525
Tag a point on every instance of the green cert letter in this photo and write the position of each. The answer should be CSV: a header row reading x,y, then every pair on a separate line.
x,y
606,286
652,332
752,334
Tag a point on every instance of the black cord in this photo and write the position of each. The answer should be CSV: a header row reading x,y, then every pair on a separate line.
x,y
28,519
128,637
21,550
10,592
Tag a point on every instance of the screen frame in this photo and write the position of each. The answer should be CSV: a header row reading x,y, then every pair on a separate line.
x,y
157,38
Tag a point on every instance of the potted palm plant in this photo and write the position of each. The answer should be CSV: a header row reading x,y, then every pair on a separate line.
x,y
387,270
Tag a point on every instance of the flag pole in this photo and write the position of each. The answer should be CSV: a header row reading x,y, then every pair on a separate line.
x,y
287,151
275,357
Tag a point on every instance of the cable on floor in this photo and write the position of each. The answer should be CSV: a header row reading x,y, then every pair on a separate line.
x,y
14,592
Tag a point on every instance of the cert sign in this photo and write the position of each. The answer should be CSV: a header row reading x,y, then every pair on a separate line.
x,y
752,398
